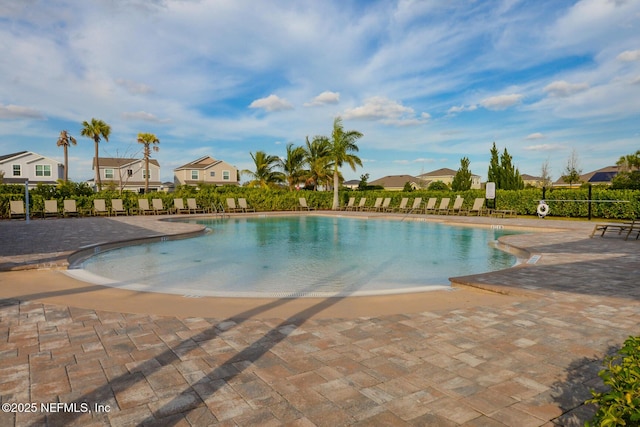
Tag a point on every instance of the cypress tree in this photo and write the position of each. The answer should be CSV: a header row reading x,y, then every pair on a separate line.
x,y
462,179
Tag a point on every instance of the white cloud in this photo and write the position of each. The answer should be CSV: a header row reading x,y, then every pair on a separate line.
x,y
563,89
143,116
543,147
272,103
461,108
501,102
134,88
324,98
19,112
536,135
629,56
387,111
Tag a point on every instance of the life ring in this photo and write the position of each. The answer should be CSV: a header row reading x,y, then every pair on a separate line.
x,y
543,209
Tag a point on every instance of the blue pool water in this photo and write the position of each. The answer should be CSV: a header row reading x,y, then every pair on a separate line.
x,y
303,256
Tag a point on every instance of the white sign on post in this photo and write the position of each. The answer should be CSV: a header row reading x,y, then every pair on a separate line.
x,y
491,190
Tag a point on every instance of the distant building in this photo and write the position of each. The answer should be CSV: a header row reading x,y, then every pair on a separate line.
x,y
397,182
603,176
352,184
26,165
128,174
206,170
533,181
446,176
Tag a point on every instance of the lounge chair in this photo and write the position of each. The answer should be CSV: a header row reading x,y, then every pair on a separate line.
x,y
416,207
16,209
69,208
100,207
116,207
50,208
158,207
385,205
476,209
231,205
349,206
362,205
303,205
620,227
443,209
431,205
403,205
143,207
457,206
192,205
376,205
242,203
178,206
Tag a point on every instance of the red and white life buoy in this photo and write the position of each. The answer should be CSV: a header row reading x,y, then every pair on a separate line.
x,y
543,209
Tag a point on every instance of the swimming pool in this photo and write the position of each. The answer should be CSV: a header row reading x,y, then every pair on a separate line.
x,y
296,256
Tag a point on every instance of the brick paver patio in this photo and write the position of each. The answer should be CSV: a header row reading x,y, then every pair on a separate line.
x,y
525,363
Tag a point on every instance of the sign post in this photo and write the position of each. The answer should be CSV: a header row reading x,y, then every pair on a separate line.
x,y
490,194
26,200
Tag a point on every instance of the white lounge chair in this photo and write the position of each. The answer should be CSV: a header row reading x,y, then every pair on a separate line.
x,y
443,209
178,206
117,208
50,208
303,205
100,207
193,206
16,209
242,203
158,207
69,208
431,205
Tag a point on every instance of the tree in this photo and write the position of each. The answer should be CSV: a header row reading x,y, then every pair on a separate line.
x,y
502,171
341,146
148,140
364,181
264,176
628,176
438,186
545,174
494,166
462,179
65,140
96,130
293,165
317,158
572,171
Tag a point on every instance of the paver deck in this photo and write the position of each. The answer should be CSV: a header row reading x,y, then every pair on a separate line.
x,y
527,361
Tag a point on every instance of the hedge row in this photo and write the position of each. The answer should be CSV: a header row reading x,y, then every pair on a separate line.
x,y
619,204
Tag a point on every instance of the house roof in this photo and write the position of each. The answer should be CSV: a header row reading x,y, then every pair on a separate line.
x,y
8,156
396,181
610,171
439,172
201,163
527,177
119,162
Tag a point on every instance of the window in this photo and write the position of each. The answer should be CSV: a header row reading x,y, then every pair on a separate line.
x,y
226,175
212,174
146,172
195,175
129,173
17,170
108,173
43,170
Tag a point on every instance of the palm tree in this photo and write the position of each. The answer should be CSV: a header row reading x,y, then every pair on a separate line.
x,y
65,140
264,176
293,165
147,139
96,129
317,158
342,145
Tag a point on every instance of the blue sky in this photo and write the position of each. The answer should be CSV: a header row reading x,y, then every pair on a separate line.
x,y
426,82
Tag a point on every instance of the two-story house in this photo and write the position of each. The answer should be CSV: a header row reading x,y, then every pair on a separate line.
x,y
446,175
19,167
128,174
206,170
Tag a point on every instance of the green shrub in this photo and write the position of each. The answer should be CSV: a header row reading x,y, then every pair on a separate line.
x,y
620,406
